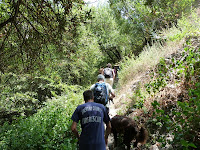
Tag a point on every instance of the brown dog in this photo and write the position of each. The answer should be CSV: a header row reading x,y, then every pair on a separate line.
x,y
130,130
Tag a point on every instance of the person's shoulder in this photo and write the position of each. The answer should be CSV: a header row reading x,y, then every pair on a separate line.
x,y
98,104
79,106
82,105
108,85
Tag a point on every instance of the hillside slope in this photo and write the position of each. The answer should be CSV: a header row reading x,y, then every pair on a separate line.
x,y
165,97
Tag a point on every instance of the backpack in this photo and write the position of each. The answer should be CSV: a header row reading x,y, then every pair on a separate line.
x,y
100,93
108,73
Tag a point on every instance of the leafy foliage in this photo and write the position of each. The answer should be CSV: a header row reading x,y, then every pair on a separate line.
x,y
181,120
24,95
32,31
113,43
49,128
76,68
142,20
49,48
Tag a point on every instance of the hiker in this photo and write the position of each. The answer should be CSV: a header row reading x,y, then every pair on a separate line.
x,y
101,70
92,117
109,74
116,69
102,91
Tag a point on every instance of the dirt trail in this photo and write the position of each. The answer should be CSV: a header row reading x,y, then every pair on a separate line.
x,y
121,101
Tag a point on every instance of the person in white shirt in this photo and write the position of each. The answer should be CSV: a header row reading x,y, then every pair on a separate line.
x,y
109,74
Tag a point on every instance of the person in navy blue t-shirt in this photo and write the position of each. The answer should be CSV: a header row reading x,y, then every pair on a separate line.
x,y
92,117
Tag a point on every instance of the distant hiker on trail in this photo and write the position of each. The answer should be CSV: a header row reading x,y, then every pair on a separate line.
x,y
109,74
116,69
102,91
92,117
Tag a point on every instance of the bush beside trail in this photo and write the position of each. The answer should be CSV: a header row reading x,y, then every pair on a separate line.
x,y
49,128
23,95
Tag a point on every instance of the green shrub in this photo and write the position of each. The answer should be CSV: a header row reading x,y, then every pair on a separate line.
x,y
22,95
182,119
49,128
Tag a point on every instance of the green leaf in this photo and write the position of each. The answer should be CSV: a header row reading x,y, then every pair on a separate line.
x,y
184,143
192,145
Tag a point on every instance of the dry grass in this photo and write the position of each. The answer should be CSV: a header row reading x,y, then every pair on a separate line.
x,y
146,60
150,56
136,69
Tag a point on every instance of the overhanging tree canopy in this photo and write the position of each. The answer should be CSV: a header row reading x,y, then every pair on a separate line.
x,y
31,30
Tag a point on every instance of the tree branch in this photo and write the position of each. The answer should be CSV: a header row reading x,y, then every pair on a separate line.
x,y
2,45
30,23
12,18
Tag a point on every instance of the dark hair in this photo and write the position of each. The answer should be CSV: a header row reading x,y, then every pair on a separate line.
x,y
87,95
